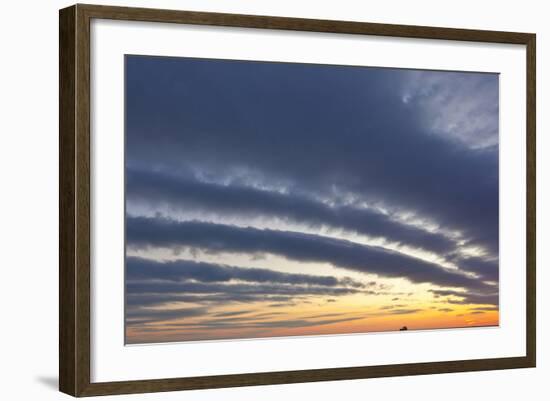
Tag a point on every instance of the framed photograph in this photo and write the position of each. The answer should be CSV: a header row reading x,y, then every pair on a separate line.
x,y
250,200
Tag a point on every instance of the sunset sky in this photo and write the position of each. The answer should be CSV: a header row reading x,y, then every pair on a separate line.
x,y
278,199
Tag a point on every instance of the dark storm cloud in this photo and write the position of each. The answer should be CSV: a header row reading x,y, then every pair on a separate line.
x,y
143,233
325,131
154,189
143,269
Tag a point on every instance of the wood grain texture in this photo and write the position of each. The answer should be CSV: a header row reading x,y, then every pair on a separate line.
x,y
74,199
531,229
302,376
67,131
300,24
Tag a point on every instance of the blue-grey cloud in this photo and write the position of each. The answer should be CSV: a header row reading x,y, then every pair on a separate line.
x,y
158,232
247,324
186,194
152,283
486,269
159,299
139,318
326,131
144,269
233,313
142,316
490,298
450,108
189,287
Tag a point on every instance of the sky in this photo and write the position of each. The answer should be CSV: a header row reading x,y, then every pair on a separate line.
x,y
282,199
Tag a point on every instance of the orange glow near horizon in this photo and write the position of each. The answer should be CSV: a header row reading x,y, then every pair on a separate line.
x,y
343,316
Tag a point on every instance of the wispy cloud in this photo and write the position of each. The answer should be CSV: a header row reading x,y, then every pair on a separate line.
x,y
490,298
139,269
158,191
160,232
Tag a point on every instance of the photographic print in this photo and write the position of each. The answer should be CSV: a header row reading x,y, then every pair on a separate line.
x,y
270,199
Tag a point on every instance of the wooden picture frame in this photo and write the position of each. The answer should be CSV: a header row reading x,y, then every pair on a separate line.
x,y
74,200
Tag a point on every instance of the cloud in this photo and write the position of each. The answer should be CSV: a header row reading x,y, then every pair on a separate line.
x,y
158,299
388,307
281,304
188,287
403,311
342,134
451,111
247,324
144,269
144,315
143,233
138,318
324,315
490,298
485,308
155,190
153,283
233,313
485,269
